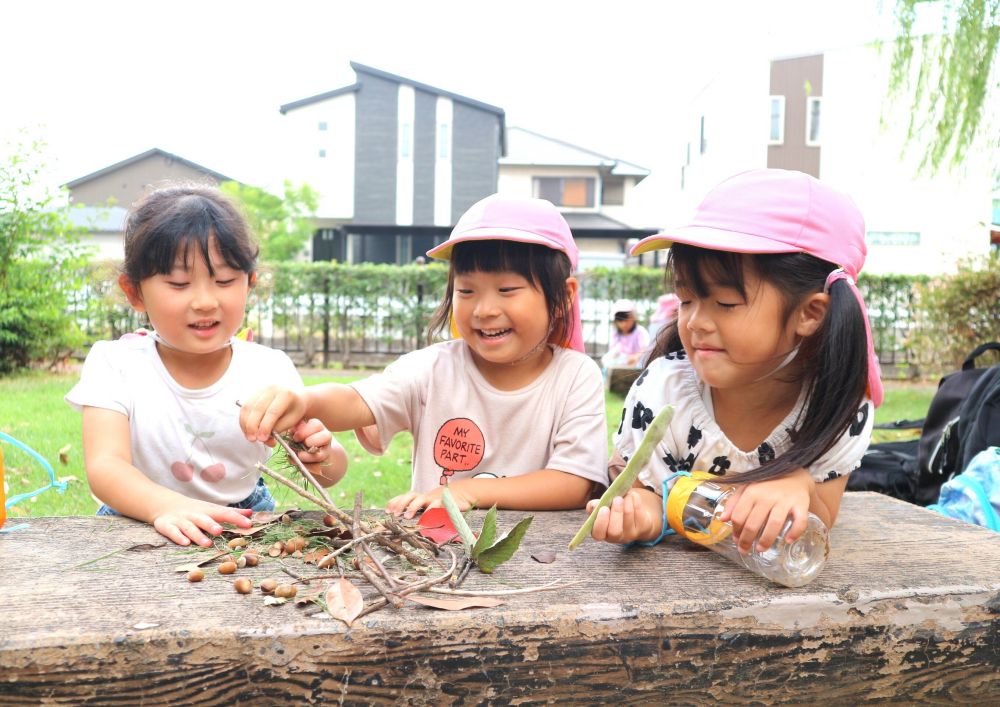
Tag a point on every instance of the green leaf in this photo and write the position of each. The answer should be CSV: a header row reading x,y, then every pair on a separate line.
x,y
504,548
458,520
487,534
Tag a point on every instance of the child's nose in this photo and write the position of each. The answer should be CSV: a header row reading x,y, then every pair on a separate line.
x,y
486,307
204,298
697,319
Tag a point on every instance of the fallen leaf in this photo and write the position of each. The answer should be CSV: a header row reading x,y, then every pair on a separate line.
x,y
343,600
456,604
274,601
64,454
436,526
247,532
314,556
143,625
504,548
194,565
544,556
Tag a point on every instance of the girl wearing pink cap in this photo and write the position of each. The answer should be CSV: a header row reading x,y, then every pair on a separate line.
x,y
769,361
510,411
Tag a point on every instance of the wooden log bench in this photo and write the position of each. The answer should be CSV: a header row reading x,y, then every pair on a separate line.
x,y
906,611
619,380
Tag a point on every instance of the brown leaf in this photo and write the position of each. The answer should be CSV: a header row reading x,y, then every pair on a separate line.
x,y
544,556
456,604
344,601
314,556
64,454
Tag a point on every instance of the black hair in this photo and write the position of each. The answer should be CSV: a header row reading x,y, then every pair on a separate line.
x,y
545,268
834,359
172,219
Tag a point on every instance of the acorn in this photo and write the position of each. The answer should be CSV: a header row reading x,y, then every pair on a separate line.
x,y
237,542
268,585
329,521
195,575
285,591
252,559
227,568
243,585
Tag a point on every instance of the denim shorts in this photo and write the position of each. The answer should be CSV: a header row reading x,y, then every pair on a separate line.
x,y
260,499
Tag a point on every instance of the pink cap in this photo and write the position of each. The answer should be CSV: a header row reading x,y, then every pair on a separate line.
x,y
779,211
505,218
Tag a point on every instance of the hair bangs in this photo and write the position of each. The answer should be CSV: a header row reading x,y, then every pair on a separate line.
x,y
699,269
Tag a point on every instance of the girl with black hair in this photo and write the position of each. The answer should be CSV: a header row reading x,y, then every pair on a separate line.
x,y
769,361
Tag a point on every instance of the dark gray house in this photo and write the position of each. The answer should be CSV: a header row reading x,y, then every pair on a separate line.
x,y
396,162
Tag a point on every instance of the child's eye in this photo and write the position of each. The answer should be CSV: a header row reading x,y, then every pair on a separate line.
x,y
727,305
510,289
463,292
176,284
224,283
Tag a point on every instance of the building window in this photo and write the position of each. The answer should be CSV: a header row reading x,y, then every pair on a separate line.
x,y
322,125
777,134
613,191
444,141
322,153
703,142
892,238
813,110
566,191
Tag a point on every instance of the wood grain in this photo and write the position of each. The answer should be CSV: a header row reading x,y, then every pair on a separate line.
x,y
906,611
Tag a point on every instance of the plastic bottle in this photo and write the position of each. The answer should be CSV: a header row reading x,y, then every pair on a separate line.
x,y
694,505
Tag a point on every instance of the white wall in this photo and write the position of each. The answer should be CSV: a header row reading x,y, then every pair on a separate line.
x,y
332,176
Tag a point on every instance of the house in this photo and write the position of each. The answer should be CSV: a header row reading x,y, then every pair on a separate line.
x,y
102,198
593,191
397,162
827,115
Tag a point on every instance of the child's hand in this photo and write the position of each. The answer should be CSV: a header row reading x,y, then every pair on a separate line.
x,y
408,504
636,516
271,409
759,510
184,523
325,458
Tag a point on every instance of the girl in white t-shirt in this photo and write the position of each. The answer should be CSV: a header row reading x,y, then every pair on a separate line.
x,y
161,438
510,411
769,363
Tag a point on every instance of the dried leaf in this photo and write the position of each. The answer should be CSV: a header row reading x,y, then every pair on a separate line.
x,y
64,454
504,548
456,604
343,601
435,525
488,534
194,565
274,601
544,556
314,556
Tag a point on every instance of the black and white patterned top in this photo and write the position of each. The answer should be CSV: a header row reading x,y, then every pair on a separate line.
x,y
695,442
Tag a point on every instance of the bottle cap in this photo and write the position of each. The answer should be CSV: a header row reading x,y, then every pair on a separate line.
x,y
677,500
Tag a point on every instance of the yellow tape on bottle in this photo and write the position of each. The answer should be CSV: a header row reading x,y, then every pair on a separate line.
x,y
678,499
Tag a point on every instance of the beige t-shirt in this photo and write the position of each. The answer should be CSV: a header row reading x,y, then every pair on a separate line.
x,y
463,427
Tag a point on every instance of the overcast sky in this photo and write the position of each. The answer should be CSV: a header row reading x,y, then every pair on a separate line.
x,y
101,81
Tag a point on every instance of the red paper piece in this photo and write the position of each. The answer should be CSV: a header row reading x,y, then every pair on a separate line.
x,y
435,525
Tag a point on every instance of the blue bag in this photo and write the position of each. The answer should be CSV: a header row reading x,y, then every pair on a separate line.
x,y
974,495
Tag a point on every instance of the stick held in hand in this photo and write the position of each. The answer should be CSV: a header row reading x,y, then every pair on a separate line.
x,y
654,433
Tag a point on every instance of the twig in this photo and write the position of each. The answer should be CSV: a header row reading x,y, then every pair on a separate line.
x,y
359,555
302,467
554,584
416,586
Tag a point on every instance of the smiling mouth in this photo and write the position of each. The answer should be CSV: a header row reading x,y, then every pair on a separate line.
x,y
203,325
493,333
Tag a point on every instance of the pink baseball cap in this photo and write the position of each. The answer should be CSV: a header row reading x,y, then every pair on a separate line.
x,y
506,218
780,211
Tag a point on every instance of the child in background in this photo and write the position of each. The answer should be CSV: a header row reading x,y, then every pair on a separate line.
x,y
629,341
770,363
510,411
161,435
666,311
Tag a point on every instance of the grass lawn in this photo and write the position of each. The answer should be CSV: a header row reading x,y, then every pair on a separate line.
x,y
32,410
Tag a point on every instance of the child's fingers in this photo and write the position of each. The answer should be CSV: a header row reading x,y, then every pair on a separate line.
x,y
616,519
396,505
800,521
171,532
415,505
750,528
775,522
732,502
600,529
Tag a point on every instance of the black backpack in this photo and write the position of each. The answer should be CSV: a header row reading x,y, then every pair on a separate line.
x,y
963,419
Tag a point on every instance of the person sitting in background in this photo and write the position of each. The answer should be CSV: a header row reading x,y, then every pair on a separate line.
x,y
666,311
629,341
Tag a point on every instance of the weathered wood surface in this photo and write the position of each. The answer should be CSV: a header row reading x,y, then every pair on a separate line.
x,y
906,611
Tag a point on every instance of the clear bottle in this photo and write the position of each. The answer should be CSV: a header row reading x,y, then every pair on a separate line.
x,y
693,509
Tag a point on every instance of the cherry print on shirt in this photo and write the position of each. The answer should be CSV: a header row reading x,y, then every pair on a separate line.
x,y
860,418
184,471
458,446
641,417
720,465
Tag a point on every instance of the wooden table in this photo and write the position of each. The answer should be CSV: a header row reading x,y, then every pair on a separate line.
x,y
907,610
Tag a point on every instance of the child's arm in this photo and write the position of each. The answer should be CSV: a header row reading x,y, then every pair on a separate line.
x,y
108,460
762,508
542,490
337,406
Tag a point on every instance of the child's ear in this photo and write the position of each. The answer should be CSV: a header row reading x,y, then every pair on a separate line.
x,y
253,279
572,289
811,313
132,293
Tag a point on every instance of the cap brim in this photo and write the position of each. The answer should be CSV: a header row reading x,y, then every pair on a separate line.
x,y
443,251
712,239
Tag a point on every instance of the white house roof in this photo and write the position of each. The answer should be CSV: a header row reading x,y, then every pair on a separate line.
x,y
525,147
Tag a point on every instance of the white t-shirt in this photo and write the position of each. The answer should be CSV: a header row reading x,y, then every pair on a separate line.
x,y
187,440
464,427
694,441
